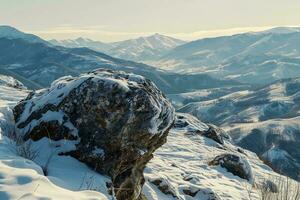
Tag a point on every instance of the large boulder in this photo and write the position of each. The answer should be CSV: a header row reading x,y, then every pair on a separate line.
x,y
116,119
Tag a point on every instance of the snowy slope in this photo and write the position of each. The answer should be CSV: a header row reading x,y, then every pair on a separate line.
x,y
181,165
260,120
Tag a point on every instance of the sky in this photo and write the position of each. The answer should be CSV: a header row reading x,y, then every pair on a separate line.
x,y
114,20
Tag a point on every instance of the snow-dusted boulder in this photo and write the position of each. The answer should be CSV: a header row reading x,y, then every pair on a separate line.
x,y
116,120
235,164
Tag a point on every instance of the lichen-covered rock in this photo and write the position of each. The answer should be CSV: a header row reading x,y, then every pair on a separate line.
x,y
117,121
235,164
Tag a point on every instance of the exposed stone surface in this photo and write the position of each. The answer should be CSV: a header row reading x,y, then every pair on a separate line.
x,y
235,164
116,119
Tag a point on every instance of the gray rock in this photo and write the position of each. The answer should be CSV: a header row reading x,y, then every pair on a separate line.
x,y
117,119
235,164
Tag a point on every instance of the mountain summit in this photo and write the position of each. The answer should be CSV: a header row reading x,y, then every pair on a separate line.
x,y
145,48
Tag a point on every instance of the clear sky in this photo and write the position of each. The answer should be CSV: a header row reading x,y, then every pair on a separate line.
x,y
112,20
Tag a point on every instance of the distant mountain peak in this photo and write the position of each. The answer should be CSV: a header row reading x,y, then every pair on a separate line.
x,y
82,39
145,48
161,36
10,32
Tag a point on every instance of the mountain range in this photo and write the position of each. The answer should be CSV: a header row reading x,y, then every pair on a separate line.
x,y
38,64
255,58
139,49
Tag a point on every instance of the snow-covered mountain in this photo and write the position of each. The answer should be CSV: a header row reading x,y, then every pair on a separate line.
x,y
83,42
139,49
255,58
12,33
264,120
145,48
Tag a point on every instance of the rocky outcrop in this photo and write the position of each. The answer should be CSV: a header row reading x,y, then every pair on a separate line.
x,y
235,164
216,134
117,120
193,125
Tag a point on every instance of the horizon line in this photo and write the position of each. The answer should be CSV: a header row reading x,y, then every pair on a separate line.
x,y
96,34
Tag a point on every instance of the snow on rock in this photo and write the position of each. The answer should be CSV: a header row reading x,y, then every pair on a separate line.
x,y
21,178
110,120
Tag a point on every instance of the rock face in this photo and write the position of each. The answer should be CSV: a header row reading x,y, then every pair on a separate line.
x,y
117,121
235,164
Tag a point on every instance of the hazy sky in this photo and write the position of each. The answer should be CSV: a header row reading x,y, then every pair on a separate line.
x,y
112,20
